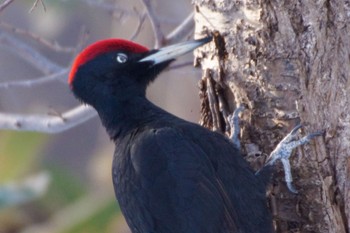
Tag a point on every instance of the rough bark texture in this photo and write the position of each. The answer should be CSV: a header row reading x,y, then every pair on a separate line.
x,y
287,61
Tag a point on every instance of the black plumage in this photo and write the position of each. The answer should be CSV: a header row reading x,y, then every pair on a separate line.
x,y
169,175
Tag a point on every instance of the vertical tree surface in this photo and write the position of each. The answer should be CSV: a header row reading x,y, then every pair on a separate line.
x,y
287,61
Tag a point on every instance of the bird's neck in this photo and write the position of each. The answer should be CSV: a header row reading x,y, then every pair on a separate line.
x,y
122,116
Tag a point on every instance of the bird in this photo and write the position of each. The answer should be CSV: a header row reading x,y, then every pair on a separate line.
x,y
169,175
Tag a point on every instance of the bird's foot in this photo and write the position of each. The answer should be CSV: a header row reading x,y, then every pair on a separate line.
x,y
233,120
284,150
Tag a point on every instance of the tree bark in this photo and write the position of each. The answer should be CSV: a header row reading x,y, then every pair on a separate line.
x,y
288,62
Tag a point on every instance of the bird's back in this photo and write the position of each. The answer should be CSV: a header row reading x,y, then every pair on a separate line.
x,y
171,175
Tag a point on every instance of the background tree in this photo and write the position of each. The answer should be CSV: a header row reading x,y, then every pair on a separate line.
x,y
288,61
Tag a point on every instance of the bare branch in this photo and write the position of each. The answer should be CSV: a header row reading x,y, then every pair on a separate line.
x,y
5,4
158,34
36,4
181,31
29,54
46,123
60,75
138,28
50,44
36,82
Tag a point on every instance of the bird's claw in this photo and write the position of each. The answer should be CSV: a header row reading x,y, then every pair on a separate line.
x,y
284,150
316,134
233,120
294,131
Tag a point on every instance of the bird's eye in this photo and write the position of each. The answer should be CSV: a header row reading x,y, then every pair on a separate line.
x,y
121,58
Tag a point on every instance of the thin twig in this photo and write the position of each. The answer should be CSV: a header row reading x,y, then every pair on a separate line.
x,y
113,8
181,31
138,28
60,75
35,82
158,34
54,45
36,4
47,123
5,4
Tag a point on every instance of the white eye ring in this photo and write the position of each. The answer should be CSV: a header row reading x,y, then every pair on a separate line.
x,y
122,58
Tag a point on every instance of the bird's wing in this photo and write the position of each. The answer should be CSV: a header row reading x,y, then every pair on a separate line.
x,y
179,184
245,190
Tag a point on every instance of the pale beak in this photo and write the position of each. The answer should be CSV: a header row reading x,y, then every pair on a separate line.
x,y
171,52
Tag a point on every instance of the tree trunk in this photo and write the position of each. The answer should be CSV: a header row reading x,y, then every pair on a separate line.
x,y
287,61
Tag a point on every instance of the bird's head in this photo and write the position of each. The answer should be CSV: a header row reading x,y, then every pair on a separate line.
x,y
116,68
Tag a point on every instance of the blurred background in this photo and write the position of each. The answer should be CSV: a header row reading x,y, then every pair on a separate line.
x,y
62,182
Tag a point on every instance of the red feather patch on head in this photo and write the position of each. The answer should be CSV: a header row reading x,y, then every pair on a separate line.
x,y
101,47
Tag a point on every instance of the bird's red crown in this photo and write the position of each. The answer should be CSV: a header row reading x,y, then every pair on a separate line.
x,y
100,47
